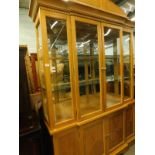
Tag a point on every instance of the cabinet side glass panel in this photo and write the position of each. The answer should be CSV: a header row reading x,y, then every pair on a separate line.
x,y
42,73
126,65
112,60
134,65
88,67
59,69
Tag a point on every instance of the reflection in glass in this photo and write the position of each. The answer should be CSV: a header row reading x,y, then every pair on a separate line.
x,y
112,55
88,67
59,66
126,65
42,73
42,82
41,63
44,100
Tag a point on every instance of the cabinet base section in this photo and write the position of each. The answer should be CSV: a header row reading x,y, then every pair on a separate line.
x,y
123,148
109,135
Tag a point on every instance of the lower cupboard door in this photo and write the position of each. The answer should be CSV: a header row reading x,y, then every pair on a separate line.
x,y
92,135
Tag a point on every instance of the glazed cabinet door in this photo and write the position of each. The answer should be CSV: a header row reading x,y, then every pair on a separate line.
x,y
127,72
112,52
59,67
58,54
87,66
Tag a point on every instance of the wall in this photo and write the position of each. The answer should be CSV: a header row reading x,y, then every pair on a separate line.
x,y
27,34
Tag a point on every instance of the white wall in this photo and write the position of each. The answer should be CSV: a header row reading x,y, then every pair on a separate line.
x,y
27,34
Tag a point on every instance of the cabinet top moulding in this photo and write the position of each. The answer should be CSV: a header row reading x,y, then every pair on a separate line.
x,y
97,9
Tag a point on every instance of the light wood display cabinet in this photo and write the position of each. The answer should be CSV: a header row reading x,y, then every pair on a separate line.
x,y
85,54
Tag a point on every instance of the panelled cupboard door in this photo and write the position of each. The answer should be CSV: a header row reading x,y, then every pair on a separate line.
x,y
92,135
66,143
115,130
130,121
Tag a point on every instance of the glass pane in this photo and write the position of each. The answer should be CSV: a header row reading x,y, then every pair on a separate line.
x,y
112,56
134,64
126,65
88,67
42,73
45,109
40,59
59,66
